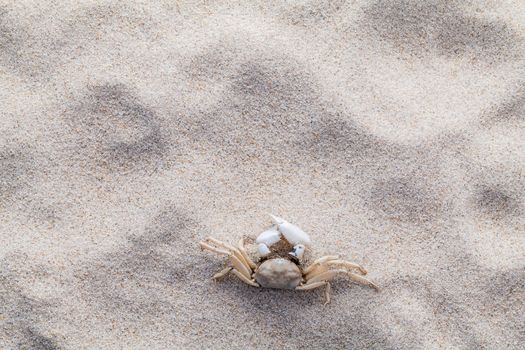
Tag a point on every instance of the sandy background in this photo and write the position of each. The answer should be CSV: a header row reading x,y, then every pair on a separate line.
x,y
392,131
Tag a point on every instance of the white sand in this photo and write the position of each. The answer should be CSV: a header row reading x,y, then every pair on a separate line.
x,y
392,131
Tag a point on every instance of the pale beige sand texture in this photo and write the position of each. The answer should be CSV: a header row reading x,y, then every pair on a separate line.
x,y
392,131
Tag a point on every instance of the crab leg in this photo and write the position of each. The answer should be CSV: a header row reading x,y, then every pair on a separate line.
x,y
325,276
362,280
245,255
320,261
245,279
234,250
220,243
239,266
317,285
213,249
222,273
235,261
347,264
330,274
316,271
323,267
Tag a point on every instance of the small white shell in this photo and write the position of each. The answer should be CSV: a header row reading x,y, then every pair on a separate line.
x,y
263,249
292,233
269,237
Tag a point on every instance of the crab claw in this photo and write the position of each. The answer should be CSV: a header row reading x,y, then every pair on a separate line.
x,y
263,250
292,233
269,237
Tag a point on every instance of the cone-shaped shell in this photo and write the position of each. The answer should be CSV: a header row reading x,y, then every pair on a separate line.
x,y
292,233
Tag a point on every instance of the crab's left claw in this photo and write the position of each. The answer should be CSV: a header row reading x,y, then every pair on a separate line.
x,y
292,233
263,250
269,237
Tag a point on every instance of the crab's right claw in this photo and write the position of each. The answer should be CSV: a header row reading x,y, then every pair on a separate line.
x,y
292,233
277,220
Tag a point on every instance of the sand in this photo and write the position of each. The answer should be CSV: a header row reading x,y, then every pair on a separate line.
x,y
393,132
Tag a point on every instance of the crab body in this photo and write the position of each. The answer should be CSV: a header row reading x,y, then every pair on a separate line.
x,y
278,273
280,263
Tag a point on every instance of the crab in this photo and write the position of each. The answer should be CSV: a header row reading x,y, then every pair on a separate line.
x,y
280,264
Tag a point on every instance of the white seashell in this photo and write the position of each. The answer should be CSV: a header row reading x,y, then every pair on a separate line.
x,y
297,251
263,249
269,237
292,233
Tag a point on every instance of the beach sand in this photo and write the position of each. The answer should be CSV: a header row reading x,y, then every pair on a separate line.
x,y
392,131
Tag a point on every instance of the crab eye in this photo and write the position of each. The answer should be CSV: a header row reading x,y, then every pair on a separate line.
x,y
297,251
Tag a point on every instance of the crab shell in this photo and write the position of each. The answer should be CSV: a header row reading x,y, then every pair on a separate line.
x,y
278,273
